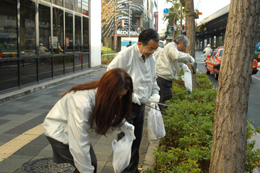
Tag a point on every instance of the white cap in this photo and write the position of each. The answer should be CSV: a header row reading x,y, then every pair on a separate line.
x,y
208,45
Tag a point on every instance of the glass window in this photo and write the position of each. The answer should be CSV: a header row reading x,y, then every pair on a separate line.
x,y
69,4
78,5
85,34
58,34
44,30
69,31
8,29
58,2
27,22
77,33
85,7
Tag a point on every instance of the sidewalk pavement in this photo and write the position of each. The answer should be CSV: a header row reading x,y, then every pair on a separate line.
x,y
24,148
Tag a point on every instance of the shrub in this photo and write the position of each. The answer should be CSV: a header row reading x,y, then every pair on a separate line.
x,y
107,55
189,130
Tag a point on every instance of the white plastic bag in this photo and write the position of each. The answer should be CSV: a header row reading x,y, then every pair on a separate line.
x,y
155,125
122,152
187,80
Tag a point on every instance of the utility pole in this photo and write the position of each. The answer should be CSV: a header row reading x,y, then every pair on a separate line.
x,y
115,29
128,18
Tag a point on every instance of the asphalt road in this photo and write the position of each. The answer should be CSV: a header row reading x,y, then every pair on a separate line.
x,y
254,92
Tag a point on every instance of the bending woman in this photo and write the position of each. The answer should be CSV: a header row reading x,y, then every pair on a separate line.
x,y
83,108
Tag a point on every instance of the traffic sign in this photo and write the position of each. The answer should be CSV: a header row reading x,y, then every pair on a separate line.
x,y
166,10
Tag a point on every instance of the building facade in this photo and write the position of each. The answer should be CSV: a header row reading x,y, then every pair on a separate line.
x,y
133,17
46,39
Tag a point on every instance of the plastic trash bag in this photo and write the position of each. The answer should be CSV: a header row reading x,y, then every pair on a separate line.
x,y
122,151
187,80
155,125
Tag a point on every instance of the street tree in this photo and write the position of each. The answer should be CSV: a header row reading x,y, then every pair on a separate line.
x,y
191,34
230,121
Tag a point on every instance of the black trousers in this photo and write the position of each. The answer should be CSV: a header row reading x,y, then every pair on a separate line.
x,y
61,154
165,90
137,119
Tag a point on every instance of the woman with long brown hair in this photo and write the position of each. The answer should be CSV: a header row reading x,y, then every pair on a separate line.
x,y
99,105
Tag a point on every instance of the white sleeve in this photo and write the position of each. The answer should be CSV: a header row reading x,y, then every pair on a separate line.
x,y
174,55
79,130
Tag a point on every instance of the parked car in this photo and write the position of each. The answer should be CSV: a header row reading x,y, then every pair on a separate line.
x,y
213,62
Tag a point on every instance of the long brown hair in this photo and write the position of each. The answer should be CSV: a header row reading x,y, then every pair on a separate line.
x,y
110,107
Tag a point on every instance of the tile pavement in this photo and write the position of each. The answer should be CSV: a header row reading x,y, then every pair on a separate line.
x,y
20,112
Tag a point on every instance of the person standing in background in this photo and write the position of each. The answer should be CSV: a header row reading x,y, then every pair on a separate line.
x,y
168,66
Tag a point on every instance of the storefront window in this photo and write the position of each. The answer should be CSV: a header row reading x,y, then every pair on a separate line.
x,y
85,7
44,30
77,33
8,33
58,2
69,31
69,4
58,38
78,6
85,34
27,23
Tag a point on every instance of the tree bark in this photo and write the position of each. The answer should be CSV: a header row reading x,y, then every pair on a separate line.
x,y
230,122
191,34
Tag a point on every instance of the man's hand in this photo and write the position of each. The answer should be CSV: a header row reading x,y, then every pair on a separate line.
x,y
155,98
136,99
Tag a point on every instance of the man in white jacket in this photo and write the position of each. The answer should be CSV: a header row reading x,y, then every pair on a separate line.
x,y
139,62
168,65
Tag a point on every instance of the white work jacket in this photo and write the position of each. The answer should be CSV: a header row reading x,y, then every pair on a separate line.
x,y
168,62
143,73
69,122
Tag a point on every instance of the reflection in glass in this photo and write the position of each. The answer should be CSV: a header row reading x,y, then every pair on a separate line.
x,y
44,30
85,34
69,31
69,4
69,63
8,33
78,5
27,22
58,65
45,68
78,62
58,2
28,71
8,71
77,33
85,7
58,41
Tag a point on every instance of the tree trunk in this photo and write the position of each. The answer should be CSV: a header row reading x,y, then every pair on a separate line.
x,y
191,34
230,122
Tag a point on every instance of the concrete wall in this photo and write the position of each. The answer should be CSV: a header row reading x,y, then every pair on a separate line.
x,y
95,32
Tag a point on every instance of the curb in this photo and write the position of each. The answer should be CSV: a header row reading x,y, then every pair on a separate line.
x,y
40,86
149,160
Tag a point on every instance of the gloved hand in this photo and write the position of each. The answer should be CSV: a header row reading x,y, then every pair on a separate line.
x,y
135,99
155,98
128,129
185,68
192,60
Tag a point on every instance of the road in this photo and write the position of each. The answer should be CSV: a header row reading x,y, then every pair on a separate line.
x,y
254,92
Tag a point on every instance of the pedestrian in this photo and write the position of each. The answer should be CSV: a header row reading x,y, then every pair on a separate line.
x,y
94,106
168,65
140,64
130,43
207,52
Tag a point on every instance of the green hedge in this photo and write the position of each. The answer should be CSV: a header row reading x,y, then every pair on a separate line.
x,y
189,130
106,59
